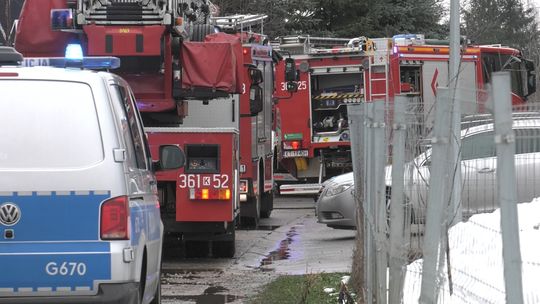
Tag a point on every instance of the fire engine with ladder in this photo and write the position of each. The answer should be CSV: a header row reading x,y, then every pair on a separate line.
x,y
336,72
256,124
193,85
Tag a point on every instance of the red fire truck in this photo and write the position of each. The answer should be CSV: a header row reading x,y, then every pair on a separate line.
x,y
338,72
172,58
256,144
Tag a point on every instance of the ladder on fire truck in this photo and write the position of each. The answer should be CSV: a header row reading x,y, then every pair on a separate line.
x,y
379,65
240,23
310,45
140,12
121,12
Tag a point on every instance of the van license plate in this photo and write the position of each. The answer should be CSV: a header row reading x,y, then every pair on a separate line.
x,y
295,153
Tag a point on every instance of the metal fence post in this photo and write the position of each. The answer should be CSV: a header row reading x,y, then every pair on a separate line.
x,y
356,125
506,180
397,206
379,199
437,198
369,197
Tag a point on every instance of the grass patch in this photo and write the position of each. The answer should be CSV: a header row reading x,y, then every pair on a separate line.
x,y
301,289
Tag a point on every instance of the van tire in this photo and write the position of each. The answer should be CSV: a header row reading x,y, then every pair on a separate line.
x,y
142,281
157,295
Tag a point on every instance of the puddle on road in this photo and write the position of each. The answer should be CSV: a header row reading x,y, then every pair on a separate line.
x,y
268,228
209,296
283,251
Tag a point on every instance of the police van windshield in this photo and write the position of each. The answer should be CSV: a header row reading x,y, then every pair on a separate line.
x,y
48,124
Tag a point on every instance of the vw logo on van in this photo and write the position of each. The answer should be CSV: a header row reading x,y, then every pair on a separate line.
x,y
10,214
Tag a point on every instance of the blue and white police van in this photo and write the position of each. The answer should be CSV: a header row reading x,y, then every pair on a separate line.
x,y
79,211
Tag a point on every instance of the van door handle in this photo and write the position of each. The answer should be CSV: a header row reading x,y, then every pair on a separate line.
x,y
486,170
136,198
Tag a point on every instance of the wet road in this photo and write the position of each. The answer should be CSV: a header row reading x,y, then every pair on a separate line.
x,y
289,242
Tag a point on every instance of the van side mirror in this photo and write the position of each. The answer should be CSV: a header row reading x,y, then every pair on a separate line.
x,y
255,75
171,157
255,100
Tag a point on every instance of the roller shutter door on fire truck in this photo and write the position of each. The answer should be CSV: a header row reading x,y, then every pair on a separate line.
x,y
435,74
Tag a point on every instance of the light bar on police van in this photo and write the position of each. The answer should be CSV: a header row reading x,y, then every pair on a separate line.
x,y
91,63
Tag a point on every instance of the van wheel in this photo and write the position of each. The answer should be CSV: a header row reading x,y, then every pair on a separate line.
x,y
197,249
157,295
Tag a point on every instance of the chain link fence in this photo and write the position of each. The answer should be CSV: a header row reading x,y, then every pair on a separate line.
x,y
426,241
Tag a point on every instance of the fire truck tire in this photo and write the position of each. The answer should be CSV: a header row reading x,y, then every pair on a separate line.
x,y
200,31
250,219
267,204
224,249
197,249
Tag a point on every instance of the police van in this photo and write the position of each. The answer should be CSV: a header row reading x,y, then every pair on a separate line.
x,y
79,211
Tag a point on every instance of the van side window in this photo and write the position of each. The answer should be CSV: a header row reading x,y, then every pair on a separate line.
x,y
134,127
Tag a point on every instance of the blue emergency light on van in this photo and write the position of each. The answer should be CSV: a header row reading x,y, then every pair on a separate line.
x,y
74,52
74,58
92,63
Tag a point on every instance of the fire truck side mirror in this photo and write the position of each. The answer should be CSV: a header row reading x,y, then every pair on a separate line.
x,y
531,77
256,76
292,86
290,70
255,100
170,157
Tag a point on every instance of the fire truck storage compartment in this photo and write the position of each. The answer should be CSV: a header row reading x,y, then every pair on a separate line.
x,y
211,67
202,159
330,94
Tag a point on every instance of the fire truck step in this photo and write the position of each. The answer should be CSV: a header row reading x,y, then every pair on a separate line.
x,y
299,189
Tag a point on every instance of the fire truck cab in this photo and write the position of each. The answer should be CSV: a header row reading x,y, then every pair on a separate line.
x,y
334,73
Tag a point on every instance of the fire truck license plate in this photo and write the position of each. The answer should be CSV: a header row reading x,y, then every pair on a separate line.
x,y
295,153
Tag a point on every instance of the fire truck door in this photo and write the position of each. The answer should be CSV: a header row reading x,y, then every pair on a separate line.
x,y
434,74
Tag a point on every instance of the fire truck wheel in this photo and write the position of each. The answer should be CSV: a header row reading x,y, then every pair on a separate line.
x,y
250,219
267,204
200,31
197,249
224,249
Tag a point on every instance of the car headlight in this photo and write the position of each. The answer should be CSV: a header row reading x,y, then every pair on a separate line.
x,y
338,189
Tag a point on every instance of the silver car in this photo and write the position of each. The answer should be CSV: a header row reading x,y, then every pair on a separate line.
x,y
479,169
335,205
